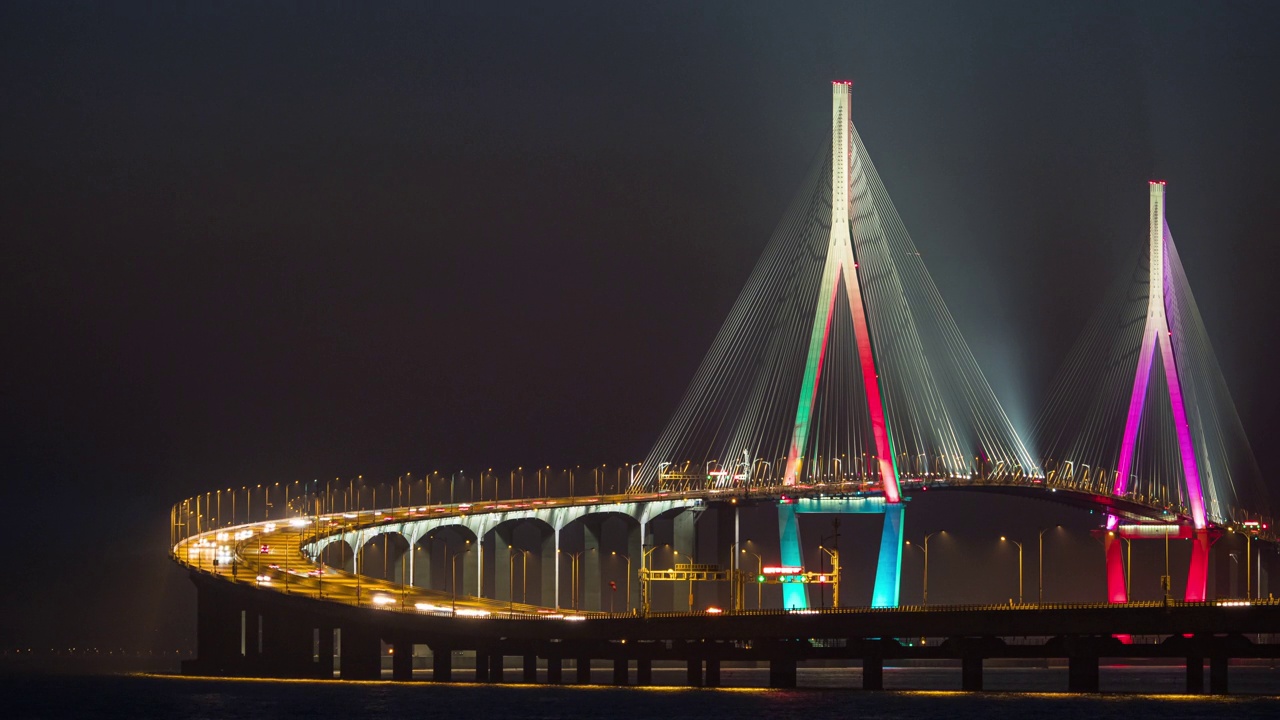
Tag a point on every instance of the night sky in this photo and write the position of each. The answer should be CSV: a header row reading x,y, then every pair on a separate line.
x,y
243,244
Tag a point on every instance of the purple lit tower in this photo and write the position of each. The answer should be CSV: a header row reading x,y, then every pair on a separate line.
x,y
1156,334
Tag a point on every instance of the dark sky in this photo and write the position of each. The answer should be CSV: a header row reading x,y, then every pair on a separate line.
x,y
241,244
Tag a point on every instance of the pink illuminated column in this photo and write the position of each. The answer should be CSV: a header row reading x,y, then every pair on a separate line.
x,y
1156,336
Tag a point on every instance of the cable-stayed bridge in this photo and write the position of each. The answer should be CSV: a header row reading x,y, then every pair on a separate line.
x,y
839,384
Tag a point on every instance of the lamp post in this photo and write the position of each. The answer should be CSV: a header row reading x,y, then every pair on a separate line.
x,y
675,554
759,572
1015,542
1040,566
573,575
628,584
925,547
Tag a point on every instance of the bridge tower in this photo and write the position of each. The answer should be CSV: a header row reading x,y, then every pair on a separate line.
x,y
841,265
1156,335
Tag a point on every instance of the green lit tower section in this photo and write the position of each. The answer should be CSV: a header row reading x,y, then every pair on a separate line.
x,y
841,264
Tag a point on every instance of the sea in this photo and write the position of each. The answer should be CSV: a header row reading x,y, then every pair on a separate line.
x,y
1128,692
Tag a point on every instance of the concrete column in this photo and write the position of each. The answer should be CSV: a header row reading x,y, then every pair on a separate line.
x,y
286,646
496,666
324,664
420,559
361,653
589,567
684,540
713,673
530,668
467,569
502,562
644,671
782,673
1195,675
402,660
441,664
548,564
971,673
482,666
1218,674
694,675
872,673
218,629
635,550
584,670
620,671
1082,673
555,670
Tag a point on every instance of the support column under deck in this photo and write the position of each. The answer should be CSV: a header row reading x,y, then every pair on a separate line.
x,y
1195,675
1117,592
1198,572
793,595
889,566
441,664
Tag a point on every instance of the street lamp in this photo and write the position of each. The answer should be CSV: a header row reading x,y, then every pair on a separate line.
x,y
1015,542
925,547
1040,567
759,574
628,588
573,575
675,554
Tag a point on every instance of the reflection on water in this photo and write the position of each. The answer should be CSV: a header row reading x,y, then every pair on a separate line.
x,y
827,695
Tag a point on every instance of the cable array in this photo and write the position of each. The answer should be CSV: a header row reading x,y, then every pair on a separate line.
x,y
735,422
1081,425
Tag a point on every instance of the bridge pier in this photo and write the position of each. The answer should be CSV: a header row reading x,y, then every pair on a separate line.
x,y
361,653
589,587
286,645
872,672
889,564
482,666
713,673
971,673
530,668
497,663
441,664
324,649
502,536
644,671
402,660
693,675
549,569
583,667
1218,674
1082,673
1195,675
782,673
620,671
555,670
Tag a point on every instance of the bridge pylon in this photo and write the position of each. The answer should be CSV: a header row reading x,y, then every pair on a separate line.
x,y
841,265
1156,335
